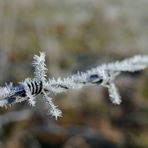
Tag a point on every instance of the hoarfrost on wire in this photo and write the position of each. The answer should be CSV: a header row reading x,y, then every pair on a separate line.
x,y
103,75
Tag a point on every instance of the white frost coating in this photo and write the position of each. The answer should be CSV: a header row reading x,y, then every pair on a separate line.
x,y
136,63
40,67
103,75
114,94
53,110
5,92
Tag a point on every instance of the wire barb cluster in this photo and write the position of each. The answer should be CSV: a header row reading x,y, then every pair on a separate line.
x,y
103,75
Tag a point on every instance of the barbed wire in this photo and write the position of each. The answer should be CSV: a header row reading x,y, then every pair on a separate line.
x,y
103,75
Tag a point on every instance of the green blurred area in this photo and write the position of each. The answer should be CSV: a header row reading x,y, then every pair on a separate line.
x,y
76,35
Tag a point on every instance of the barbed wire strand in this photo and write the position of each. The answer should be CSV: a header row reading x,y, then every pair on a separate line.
x,y
103,75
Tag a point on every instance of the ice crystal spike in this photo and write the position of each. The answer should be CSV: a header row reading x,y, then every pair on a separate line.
x,y
103,75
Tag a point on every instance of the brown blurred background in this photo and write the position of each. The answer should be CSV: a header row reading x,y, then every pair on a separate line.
x,y
76,35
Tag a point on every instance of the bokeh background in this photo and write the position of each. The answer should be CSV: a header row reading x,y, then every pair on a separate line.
x,y
76,35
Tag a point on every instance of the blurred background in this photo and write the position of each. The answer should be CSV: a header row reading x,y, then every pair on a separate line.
x,y
76,35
